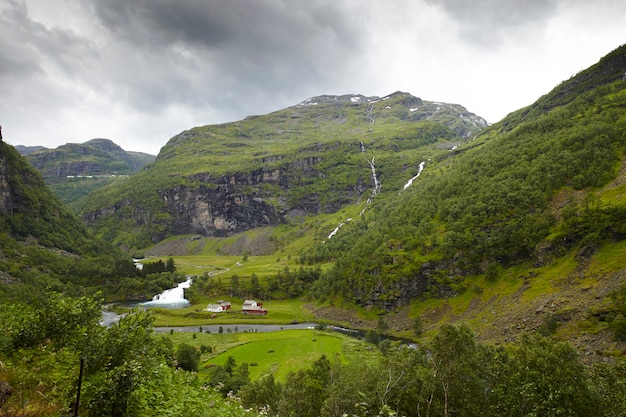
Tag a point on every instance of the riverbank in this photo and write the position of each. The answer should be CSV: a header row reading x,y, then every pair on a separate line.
x,y
237,328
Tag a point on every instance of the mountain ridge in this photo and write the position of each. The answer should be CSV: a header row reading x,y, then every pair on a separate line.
x,y
73,170
95,157
308,158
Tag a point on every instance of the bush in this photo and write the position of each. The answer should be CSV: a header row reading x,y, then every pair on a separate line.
x,y
417,326
372,336
187,357
618,327
548,326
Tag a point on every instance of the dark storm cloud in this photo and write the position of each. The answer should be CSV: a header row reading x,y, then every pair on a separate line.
x,y
217,23
266,45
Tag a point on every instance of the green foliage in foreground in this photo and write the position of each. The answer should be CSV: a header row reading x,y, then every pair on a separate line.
x,y
452,375
131,372
128,371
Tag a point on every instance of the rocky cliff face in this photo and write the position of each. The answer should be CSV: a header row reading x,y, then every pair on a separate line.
x,y
217,211
6,202
225,205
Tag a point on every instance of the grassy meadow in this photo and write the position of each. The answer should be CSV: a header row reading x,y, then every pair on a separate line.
x,y
279,312
278,352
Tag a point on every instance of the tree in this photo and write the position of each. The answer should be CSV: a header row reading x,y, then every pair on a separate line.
x,y
254,284
609,384
460,369
304,392
548,326
187,357
372,336
417,326
539,376
169,265
234,284
403,378
348,385
264,392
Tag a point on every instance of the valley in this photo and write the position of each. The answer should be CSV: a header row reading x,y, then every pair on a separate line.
x,y
495,253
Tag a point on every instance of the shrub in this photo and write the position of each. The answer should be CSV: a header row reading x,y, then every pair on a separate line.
x,y
618,327
188,357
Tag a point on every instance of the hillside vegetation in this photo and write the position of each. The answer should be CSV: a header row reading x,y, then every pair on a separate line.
x,y
517,229
45,248
312,158
74,170
544,181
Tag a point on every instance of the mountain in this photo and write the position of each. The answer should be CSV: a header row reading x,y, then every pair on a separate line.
x,y
27,150
315,157
542,191
42,244
74,170
94,157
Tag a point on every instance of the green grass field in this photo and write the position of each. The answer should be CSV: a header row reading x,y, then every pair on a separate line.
x,y
278,352
279,312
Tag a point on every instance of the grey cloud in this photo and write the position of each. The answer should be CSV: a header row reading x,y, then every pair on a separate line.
x,y
138,67
217,23
31,48
258,29
194,51
16,53
487,22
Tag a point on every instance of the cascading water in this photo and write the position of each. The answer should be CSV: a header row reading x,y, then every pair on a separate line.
x,y
419,172
172,298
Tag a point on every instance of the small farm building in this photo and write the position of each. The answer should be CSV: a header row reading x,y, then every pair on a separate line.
x,y
253,307
219,307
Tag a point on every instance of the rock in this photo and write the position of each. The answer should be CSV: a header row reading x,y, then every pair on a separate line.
x,y
5,392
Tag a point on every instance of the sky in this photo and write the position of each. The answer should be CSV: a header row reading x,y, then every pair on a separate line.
x,y
139,72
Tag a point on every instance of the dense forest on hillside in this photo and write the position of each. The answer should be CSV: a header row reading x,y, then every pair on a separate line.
x,y
493,204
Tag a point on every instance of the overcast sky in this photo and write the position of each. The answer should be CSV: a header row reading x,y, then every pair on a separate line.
x,y
141,71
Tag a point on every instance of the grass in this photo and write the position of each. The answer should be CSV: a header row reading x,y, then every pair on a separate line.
x,y
292,351
610,258
276,352
279,312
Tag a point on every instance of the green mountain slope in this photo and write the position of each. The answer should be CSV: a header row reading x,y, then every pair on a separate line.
x,y
42,245
312,158
546,182
74,170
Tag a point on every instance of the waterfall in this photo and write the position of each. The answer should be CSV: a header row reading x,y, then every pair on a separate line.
x,y
172,298
419,171
334,232
376,182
